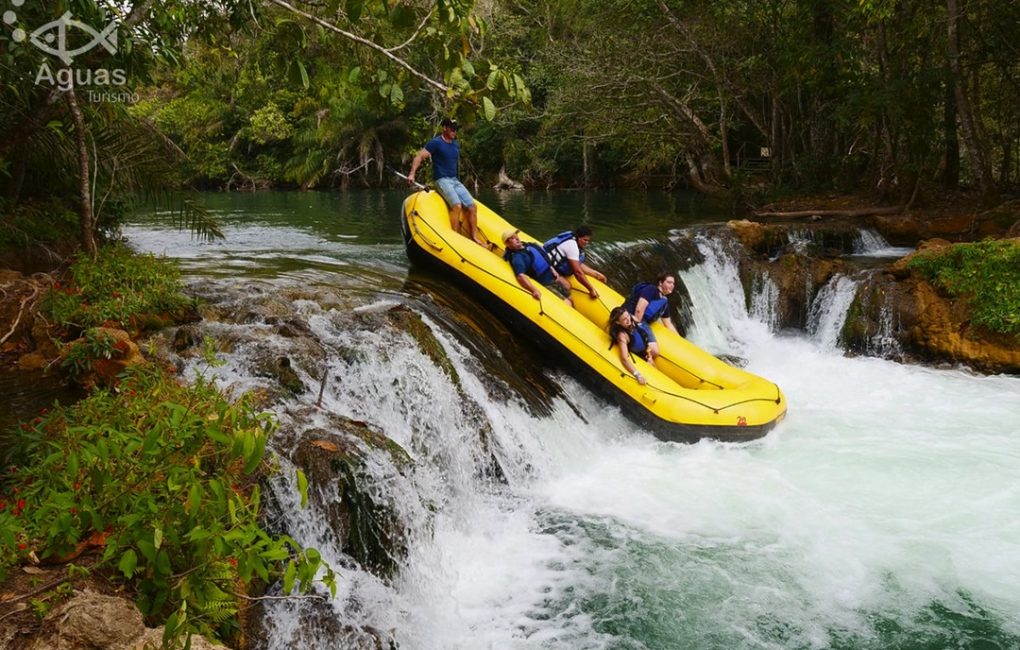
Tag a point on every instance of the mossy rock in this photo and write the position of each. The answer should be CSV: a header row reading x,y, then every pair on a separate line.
x,y
368,529
408,321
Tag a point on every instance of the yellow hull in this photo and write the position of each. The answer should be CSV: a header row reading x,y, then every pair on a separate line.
x,y
690,394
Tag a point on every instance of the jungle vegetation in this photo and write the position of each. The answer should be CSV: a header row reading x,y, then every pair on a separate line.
x,y
894,97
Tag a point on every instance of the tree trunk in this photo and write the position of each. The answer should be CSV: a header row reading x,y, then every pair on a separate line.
x,y
724,136
586,161
1006,172
698,181
951,173
976,152
86,218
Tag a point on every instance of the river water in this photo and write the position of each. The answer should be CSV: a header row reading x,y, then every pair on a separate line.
x,y
884,512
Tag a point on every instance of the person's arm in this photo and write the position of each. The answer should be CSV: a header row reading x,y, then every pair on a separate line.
x,y
422,155
622,339
522,279
668,322
582,277
593,273
639,309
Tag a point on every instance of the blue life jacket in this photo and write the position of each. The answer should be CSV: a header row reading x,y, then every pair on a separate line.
x,y
559,261
538,265
639,338
656,308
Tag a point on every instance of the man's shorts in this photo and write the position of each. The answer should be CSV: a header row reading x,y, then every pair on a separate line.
x,y
558,289
454,192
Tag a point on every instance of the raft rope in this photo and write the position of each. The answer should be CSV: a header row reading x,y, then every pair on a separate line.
x,y
541,312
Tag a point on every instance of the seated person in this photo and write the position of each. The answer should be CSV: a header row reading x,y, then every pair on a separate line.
x,y
649,302
530,261
566,251
632,337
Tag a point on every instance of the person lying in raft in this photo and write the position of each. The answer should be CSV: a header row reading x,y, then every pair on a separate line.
x,y
528,260
566,251
632,337
649,302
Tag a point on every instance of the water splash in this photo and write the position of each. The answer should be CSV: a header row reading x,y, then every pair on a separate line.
x,y
829,310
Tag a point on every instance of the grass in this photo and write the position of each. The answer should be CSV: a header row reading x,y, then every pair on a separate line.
x,y
985,274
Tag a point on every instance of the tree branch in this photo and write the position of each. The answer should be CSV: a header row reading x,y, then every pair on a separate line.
x,y
367,43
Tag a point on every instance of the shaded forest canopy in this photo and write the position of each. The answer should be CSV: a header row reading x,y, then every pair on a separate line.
x,y
745,97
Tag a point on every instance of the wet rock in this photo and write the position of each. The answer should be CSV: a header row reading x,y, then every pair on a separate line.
x,y
289,327
315,624
798,278
340,486
279,368
406,320
186,338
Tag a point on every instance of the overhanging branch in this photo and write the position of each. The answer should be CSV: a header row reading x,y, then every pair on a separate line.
x,y
367,43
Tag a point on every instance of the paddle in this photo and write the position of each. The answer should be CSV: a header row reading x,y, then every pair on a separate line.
x,y
415,183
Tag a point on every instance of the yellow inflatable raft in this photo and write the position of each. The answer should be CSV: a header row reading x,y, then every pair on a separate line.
x,y
690,394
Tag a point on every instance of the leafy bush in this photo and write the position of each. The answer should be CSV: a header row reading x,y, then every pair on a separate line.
x,y
118,286
986,274
45,221
160,477
95,344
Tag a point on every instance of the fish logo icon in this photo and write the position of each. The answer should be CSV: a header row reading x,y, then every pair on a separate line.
x,y
56,32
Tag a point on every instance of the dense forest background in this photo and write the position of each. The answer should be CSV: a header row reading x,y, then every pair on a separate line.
x,y
896,97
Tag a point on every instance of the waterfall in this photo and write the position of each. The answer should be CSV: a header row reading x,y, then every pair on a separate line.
x,y
871,243
444,502
884,342
764,300
829,310
720,322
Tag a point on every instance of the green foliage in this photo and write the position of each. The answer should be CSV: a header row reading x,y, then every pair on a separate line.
x,y
160,477
268,124
94,344
120,286
47,221
986,274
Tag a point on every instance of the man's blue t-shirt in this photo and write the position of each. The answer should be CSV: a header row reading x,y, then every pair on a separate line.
x,y
444,157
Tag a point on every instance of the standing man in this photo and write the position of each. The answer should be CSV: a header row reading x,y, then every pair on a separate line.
x,y
566,251
649,302
444,150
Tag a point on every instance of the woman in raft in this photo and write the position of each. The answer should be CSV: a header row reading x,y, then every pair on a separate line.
x,y
632,338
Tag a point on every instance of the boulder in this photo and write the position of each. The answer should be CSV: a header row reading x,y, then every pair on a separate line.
x,y
750,233
368,528
942,329
91,620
